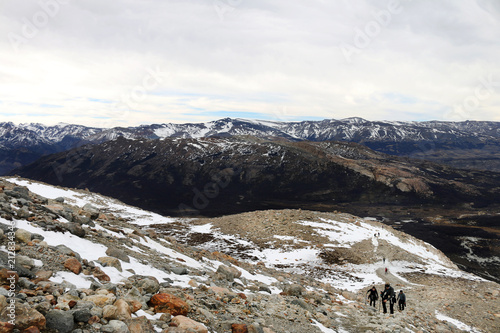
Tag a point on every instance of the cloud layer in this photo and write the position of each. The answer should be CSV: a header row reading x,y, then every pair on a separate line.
x,y
124,63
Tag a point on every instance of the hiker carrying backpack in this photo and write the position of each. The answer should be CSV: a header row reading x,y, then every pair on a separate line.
x,y
373,296
388,296
401,300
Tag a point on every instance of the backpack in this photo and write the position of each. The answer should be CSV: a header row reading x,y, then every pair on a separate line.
x,y
391,295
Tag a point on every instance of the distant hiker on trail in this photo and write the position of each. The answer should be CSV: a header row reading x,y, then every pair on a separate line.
x,y
388,295
386,270
373,297
401,300
384,260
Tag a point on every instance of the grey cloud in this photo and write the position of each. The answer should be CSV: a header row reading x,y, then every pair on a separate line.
x,y
281,48
492,7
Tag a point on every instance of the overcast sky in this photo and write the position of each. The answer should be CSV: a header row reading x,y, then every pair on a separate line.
x,y
129,62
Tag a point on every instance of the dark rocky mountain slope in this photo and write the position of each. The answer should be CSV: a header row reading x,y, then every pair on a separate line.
x,y
215,176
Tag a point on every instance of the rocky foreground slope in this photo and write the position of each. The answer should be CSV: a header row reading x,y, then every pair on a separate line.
x,y
86,263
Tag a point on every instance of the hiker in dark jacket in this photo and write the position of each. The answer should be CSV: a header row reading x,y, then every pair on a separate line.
x,y
388,296
401,300
373,296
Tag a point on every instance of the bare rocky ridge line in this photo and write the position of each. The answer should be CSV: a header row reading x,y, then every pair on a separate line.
x,y
216,296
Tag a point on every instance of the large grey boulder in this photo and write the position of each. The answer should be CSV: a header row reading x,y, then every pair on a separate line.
x,y
62,321
67,251
19,192
179,270
23,236
82,219
149,285
23,213
229,273
135,295
20,269
82,314
93,211
302,304
115,326
25,261
117,253
293,290
75,229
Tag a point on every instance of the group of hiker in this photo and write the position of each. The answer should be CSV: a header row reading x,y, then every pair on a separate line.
x,y
388,297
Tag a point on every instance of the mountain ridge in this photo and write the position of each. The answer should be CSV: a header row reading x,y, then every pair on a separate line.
x,y
431,140
294,129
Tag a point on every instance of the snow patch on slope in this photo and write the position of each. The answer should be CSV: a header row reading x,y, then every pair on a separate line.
x,y
299,260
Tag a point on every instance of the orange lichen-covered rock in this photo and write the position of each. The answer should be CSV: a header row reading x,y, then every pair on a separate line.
x,y
73,265
100,275
6,327
167,303
32,329
239,328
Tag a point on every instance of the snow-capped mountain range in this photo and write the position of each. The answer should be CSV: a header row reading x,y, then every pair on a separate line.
x,y
24,143
349,129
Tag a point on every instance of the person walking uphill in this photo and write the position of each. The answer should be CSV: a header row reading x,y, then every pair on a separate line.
x,y
373,296
401,300
388,296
